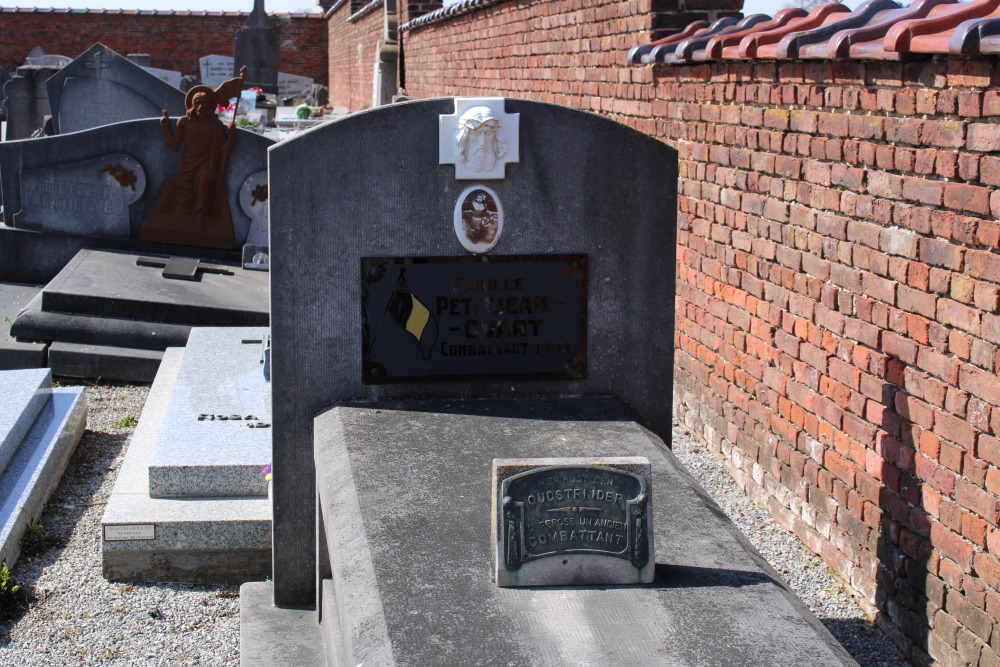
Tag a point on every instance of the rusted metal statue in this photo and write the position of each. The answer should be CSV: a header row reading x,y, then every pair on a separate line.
x,y
193,207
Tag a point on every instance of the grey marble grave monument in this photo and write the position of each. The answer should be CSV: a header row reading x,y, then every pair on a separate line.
x,y
101,87
94,189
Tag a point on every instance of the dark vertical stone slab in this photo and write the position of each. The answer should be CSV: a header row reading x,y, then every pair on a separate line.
x,y
370,185
257,49
27,101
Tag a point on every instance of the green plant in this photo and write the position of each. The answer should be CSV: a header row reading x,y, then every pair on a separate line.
x,y
14,597
37,539
7,320
247,123
127,420
36,533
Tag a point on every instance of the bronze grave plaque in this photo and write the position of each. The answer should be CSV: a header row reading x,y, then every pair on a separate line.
x,y
433,318
573,521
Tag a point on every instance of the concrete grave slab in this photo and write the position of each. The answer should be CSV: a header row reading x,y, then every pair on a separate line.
x,y
193,539
15,354
25,392
216,434
425,548
101,87
37,466
110,284
111,314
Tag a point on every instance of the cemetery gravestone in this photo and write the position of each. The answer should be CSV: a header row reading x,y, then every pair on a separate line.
x,y
40,427
190,502
101,87
215,69
257,50
96,189
564,316
27,100
558,200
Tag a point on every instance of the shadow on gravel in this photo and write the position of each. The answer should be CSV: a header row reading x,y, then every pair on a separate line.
x,y
78,491
865,642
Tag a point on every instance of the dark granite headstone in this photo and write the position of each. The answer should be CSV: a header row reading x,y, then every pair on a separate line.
x,y
95,189
582,185
102,87
257,50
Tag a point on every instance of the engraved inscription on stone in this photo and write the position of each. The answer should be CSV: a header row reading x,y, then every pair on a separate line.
x,y
131,531
580,510
89,198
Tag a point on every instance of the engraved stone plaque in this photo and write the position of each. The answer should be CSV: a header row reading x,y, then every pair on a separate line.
x,y
446,317
572,521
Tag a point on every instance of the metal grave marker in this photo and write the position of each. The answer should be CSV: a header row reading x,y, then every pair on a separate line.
x,y
445,317
572,521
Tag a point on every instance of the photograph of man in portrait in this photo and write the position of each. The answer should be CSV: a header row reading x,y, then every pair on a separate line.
x,y
480,220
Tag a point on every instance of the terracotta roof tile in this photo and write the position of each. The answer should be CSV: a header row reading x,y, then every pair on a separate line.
x,y
878,29
727,45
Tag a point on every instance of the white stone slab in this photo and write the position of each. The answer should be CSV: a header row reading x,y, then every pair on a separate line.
x,y
24,394
36,469
221,375
194,539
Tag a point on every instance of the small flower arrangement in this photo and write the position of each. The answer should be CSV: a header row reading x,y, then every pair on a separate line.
x,y
267,472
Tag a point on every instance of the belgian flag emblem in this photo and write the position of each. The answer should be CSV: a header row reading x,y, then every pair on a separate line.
x,y
413,316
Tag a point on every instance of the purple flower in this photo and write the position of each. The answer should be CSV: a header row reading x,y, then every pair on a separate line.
x,y
266,470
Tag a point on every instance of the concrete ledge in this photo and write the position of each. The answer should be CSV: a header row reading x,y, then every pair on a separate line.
x,y
101,361
15,354
272,637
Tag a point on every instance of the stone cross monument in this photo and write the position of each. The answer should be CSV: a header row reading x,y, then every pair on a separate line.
x,y
257,50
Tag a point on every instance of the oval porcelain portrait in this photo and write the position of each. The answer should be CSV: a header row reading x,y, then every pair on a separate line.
x,y
478,219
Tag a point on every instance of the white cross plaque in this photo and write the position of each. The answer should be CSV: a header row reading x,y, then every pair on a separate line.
x,y
480,138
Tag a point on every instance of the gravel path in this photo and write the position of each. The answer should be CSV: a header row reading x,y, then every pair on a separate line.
x,y
78,618
803,571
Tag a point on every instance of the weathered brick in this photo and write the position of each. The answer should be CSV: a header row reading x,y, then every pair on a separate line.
x,y
984,137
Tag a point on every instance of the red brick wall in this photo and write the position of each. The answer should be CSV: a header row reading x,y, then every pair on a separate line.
x,y
549,50
837,307
352,42
838,295
174,40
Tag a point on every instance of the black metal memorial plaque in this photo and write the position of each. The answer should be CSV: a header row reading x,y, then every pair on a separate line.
x,y
559,510
445,317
